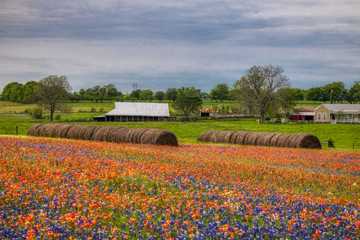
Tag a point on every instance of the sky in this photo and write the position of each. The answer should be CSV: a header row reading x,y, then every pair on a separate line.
x,y
160,44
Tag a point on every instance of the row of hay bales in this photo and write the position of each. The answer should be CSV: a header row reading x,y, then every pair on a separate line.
x,y
110,134
300,140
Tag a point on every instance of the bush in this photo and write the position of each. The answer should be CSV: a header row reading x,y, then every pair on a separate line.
x,y
57,117
37,113
331,143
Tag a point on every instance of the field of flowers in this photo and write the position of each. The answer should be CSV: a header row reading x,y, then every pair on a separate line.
x,y
68,189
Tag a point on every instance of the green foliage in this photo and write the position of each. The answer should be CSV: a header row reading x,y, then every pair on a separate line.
x,y
146,95
188,100
51,93
353,94
220,92
171,94
331,143
36,112
159,95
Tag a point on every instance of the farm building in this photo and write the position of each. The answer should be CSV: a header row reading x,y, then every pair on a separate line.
x,y
206,112
337,113
303,114
135,112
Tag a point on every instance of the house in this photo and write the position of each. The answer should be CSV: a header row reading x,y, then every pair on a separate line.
x,y
136,111
337,113
303,114
206,112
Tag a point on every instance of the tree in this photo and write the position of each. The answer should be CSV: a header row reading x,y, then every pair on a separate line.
x,y
335,91
51,93
262,82
220,92
286,99
160,95
28,91
353,95
188,100
315,94
135,94
147,95
242,94
12,92
171,94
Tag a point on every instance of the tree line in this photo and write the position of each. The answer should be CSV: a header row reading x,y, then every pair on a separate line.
x,y
263,90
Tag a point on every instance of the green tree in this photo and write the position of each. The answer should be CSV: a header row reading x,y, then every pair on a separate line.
x,y
135,95
315,94
188,100
353,95
13,92
147,95
261,84
160,95
220,92
335,91
28,91
171,94
52,92
286,99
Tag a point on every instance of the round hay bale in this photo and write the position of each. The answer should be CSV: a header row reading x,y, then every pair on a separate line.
x,y
218,136
210,134
113,134
56,132
66,133
74,131
33,130
138,134
121,135
205,136
265,139
274,139
64,129
234,137
88,132
45,129
102,134
291,141
251,138
98,133
165,137
148,136
241,137
228,136
129,135
282,140
307,140
287,140
51,128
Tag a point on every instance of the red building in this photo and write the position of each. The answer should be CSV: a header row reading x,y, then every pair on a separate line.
x,y
303,114
206,112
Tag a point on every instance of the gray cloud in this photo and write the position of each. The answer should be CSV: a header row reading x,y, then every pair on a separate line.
x,y
162,44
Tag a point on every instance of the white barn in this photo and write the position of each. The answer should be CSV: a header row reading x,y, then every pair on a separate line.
x,y
136,111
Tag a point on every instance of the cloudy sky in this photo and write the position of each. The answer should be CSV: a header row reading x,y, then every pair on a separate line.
x,y
160,44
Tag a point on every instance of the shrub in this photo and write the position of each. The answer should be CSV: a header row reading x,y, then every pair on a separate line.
x,y
331,143
37,113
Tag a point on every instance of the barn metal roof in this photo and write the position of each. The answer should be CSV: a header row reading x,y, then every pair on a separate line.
x,y
140,109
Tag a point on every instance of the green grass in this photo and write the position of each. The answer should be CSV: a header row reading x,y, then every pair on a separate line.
x,y
345,136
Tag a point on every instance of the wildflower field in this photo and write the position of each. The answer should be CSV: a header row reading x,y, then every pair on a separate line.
x,y
71,189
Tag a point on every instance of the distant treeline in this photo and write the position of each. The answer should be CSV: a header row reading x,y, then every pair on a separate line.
x,y
333,92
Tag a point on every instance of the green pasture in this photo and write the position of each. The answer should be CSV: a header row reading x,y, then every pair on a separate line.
x,y
12,117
